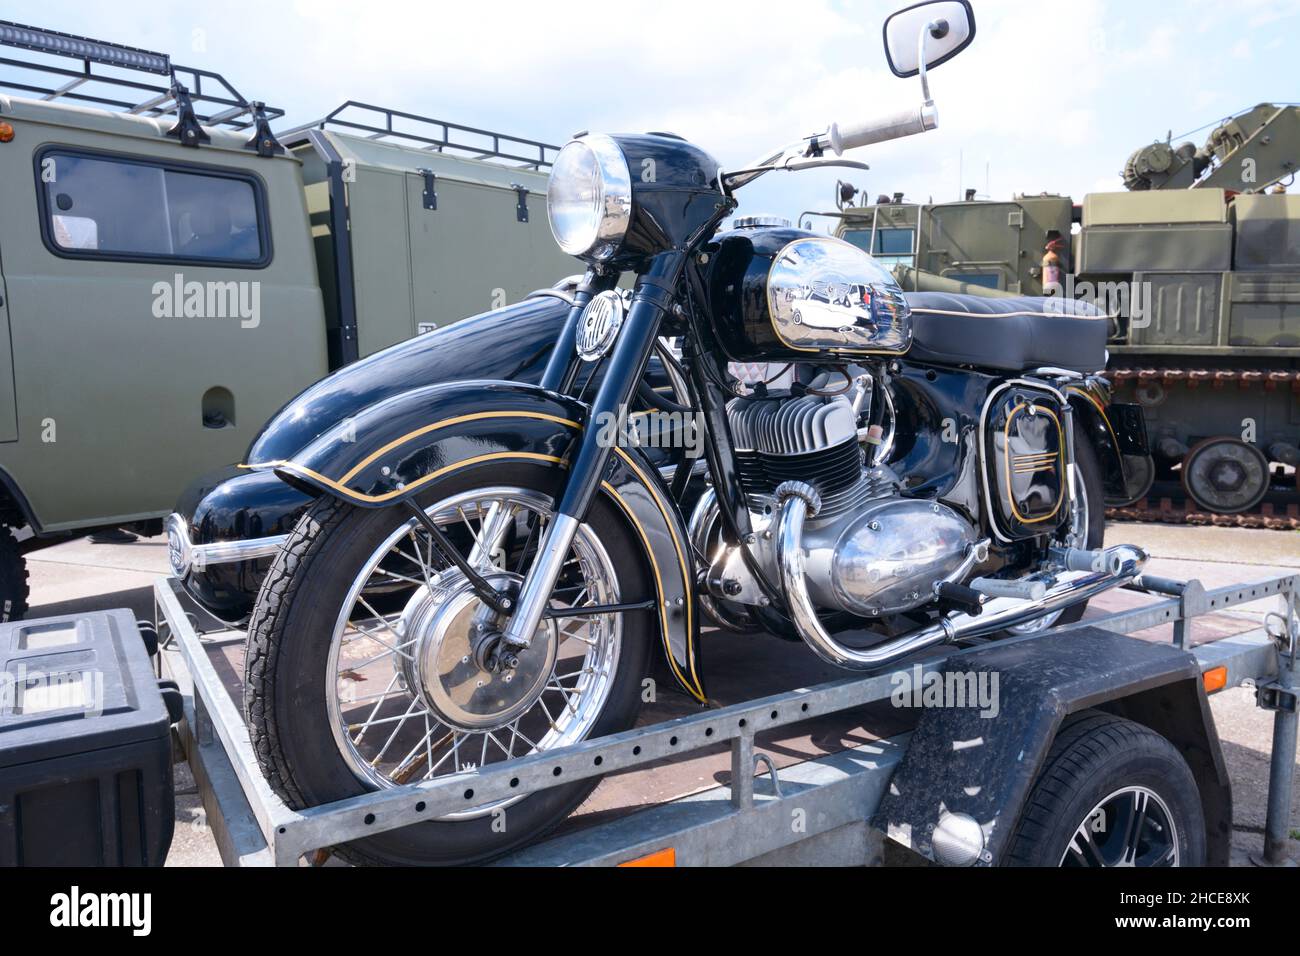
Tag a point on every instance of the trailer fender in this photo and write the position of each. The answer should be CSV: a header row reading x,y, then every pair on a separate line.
x,y
981,755
388,451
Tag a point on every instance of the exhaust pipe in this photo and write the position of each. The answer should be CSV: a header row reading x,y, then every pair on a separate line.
x,y
1103,569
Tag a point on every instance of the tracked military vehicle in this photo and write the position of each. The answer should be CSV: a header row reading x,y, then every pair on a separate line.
x,y
1199,265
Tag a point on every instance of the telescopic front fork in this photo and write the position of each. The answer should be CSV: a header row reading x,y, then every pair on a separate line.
x,y
652,298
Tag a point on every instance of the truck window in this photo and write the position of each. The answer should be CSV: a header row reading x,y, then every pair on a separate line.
x,y
124,208
892,245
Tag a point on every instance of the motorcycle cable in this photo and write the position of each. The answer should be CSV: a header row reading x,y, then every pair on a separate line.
x,y
490,596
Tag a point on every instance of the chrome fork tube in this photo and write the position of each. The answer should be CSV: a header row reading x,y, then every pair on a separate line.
x,y
623,370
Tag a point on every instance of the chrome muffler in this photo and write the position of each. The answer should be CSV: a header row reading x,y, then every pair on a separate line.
x,y
1101,570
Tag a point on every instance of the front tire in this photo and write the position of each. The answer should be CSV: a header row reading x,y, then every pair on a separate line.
x,y
1112,793
305,732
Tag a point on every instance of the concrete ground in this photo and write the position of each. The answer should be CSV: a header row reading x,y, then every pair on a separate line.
x,y
78,576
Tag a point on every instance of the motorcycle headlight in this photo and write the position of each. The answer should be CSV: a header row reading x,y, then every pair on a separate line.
x,y
589,199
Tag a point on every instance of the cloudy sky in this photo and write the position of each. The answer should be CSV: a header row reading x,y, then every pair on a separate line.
x,y
1050,96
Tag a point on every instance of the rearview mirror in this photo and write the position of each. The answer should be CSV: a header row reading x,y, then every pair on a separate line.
x,y
948,27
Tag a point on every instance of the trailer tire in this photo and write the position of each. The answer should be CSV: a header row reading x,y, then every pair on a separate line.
x,y
1100,761
14,589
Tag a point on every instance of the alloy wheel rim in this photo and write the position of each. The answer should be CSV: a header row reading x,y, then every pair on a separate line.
x,y
1131,827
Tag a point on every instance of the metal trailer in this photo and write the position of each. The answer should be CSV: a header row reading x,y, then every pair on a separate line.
x,y
835,809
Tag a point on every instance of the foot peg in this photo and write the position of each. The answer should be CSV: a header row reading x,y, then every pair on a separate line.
x,y
1002,587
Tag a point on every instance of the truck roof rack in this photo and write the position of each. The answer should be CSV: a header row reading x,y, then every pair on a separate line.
x,y
435,135
196,97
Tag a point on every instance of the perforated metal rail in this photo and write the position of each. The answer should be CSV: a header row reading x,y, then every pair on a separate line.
x,y
727,825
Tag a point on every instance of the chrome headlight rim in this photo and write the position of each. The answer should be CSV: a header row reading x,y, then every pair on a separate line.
x,y
604,237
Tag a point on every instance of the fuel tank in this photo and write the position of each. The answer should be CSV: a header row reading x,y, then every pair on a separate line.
x,y
784,294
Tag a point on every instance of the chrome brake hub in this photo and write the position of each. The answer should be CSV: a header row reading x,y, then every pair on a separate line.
x,y
457,665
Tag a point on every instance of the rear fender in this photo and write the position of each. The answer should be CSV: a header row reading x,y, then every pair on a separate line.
x,y
389,451
1118,433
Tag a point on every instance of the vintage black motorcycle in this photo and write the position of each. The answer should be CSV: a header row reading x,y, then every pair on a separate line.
x,y
464,572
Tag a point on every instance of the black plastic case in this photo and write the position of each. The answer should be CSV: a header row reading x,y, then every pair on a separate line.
x,y
85,745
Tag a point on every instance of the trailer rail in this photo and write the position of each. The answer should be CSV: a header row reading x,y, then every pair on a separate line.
x,y
728,824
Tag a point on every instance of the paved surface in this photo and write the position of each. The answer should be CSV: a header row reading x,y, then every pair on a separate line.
x,y
79,575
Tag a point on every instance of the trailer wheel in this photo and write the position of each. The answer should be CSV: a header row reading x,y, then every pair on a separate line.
x,y
13,579
1112,793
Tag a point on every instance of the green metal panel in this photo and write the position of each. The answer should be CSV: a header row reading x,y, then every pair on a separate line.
x,y
1268,232
8,404
416,268
381,258
110,397
1154,207
1203,247
1265,311
1183,309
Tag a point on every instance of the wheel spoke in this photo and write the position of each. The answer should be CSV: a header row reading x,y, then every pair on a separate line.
x,y
390,741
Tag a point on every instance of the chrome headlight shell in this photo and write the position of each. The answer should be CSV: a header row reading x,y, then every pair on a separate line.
x,y
589,199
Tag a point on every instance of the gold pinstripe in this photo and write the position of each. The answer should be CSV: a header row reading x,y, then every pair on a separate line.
x,y
681,561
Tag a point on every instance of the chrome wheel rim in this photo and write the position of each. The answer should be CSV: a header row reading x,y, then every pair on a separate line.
x,y
1131,827
1075,536
412,694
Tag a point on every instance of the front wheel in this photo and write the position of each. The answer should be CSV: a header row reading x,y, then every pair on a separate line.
x,y
372,663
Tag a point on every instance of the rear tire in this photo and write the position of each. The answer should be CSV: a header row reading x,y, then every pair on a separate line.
x,y
1085,459
14,587
1099,768
289,643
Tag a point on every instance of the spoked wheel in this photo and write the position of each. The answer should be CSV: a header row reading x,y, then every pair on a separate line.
x,y
374,663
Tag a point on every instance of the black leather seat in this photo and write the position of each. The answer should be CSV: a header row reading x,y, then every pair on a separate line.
x,y
1014,334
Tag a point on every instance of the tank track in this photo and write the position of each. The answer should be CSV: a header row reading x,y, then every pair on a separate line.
x,y
1176,507
1185,511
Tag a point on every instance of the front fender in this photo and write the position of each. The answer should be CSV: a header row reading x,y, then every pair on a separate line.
x,y
387,452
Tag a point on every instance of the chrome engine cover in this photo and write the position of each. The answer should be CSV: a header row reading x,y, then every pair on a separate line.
x,y
886,557
868,550
882,557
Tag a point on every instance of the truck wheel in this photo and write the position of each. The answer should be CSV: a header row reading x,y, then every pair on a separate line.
x,y
1112,793
13,579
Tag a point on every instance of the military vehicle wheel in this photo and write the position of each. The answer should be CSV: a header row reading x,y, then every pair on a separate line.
x,y
13,578
1225,475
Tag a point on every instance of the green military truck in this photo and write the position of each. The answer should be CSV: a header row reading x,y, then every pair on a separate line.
x,y
1199,262
172,271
